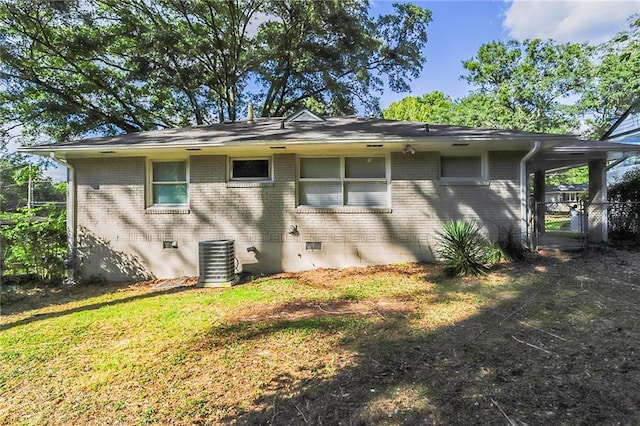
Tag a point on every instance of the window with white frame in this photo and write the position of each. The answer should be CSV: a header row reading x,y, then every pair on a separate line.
x,y
250,169
168,183
344,181
458,167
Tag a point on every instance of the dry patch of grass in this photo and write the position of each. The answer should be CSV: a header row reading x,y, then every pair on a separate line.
x,y
554,340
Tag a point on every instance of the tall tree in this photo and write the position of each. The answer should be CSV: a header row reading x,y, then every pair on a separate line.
x,y
616,80
434,107
57,74
518,85
332,52
98,67
530,83
200,50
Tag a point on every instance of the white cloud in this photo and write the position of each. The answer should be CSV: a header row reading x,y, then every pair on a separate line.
x,y
592,21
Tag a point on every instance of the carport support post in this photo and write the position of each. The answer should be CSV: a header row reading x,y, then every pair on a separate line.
x,y
538,199
597,208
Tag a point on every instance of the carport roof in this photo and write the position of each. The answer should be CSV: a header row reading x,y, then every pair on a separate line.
x,y
572,154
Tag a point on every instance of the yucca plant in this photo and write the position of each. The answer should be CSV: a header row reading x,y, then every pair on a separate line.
x,y
464,248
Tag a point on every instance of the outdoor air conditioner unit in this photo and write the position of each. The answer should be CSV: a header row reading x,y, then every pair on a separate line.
x,y
217,263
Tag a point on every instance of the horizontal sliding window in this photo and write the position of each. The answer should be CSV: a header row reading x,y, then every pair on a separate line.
x,y
462,167
169,183
344,181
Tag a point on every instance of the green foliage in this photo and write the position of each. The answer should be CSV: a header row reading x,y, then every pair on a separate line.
x,y
615,83
434,107
15,173
573,176
333,52
465,251
493,255
479,110
540,86
624,207
526,82
34,239
627,188
102,67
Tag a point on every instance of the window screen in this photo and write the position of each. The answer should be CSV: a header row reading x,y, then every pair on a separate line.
x,y
344,181
169,182
360,167
461,167
320,168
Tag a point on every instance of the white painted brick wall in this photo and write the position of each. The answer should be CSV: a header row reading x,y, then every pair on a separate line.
x,y
120,240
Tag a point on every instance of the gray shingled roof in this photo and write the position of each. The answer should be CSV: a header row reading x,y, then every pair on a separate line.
x,y
332,130
558,151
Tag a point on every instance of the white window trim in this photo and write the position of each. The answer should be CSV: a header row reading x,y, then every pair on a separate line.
x,y
343,179
231,178
149,183
484,168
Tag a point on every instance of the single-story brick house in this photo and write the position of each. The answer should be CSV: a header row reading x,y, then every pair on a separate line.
x,y
299,193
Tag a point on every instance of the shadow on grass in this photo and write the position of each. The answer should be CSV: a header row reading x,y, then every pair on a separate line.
x,y
77,294
560,349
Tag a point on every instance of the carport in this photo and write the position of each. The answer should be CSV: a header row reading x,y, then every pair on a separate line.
x,y
619,143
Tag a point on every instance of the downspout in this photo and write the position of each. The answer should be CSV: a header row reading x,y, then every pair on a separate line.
x,y
524,192
71,262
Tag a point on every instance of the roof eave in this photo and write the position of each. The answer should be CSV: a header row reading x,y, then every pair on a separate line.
x,y
421,140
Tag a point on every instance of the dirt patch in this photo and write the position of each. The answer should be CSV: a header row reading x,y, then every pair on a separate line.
x,y
301,310
325,278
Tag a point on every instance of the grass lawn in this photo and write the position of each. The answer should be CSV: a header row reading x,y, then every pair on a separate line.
x,y
554,340
556,222
560,226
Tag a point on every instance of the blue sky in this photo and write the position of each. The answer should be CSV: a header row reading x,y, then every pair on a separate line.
x,y
459,28
455,33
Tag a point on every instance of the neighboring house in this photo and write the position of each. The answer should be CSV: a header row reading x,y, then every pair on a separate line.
x,y
626,130
615,173
298,193
560,198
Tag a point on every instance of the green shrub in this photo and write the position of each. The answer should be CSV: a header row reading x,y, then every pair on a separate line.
x,y
624,208
465,251
494,254
510,246
34,239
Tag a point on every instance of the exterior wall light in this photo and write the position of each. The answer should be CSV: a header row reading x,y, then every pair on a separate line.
x,y
408,149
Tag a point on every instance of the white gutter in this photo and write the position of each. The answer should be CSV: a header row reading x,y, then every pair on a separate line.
x,y
524,192
71,263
